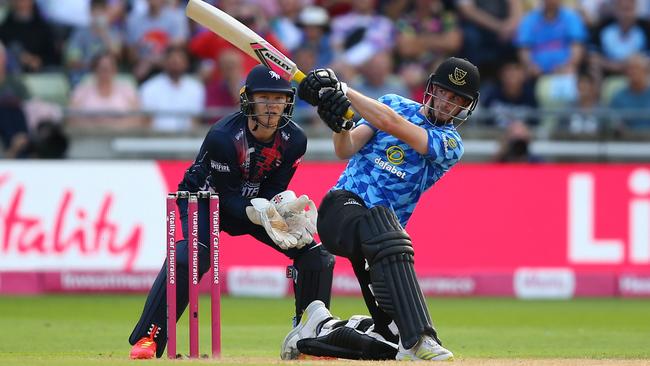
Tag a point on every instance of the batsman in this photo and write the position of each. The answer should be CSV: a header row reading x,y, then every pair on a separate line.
x,y
248,158
399,149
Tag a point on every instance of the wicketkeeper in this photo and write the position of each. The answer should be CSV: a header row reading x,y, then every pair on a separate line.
x,y
248,158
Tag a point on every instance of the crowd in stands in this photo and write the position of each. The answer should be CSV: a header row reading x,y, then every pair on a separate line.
x,y
142,64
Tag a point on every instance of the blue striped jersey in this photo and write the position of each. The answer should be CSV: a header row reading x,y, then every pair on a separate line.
x,y
388,172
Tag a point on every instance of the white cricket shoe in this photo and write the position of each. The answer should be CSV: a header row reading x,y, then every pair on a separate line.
x,y
427,349
315,314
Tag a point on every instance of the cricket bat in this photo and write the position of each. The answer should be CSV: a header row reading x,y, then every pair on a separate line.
x,y
249,42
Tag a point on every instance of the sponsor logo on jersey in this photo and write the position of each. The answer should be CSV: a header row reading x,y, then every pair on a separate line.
x,y
449,143
220,167
395,155
390,168
250,189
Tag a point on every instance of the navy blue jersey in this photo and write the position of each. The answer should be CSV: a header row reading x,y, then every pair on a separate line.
x,y
234,164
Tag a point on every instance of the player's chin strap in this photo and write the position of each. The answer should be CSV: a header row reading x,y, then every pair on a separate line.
x,y
277,127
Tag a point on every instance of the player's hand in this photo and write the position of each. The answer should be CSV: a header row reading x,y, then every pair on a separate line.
x,y
263,213
317,79
301,222
332,108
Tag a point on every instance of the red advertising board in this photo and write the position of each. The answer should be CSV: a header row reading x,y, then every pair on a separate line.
x,y
560,230
502,217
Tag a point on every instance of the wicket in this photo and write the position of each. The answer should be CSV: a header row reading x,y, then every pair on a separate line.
x,y
193,275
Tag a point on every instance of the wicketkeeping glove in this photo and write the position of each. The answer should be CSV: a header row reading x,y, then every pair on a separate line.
x,y
317,79
332,108
301,222
263,213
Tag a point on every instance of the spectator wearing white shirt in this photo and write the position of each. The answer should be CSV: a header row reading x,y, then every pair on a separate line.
x,y
173,98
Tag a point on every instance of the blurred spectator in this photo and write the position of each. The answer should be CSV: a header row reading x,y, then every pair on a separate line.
x,y
584,120
222,92
376,77
335,7
88,42
208,46
28,37
149,34
13,124
617,39
47,142
173,96
643,9
489,27
104,93
593,11
68,13
304,114
634,97
314,22
515,145
512,97
426,34
284,25
550,39
358,35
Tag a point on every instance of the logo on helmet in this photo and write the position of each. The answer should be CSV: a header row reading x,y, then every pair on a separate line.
x,y
274,75
458,77
395,155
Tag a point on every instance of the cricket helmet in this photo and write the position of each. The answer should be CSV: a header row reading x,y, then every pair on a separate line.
x,y
459,76
263,79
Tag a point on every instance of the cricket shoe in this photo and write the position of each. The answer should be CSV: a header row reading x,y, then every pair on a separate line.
x,y
145,348
427,349
315,314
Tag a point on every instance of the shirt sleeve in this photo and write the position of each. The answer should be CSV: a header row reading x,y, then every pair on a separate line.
x,y
444,148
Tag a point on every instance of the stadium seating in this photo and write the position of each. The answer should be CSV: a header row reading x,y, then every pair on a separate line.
x,y
48,86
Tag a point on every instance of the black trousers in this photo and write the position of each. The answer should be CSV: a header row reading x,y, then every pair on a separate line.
x,y
339,216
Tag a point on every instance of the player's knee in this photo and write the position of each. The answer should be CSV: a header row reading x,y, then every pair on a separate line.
x,y
382,235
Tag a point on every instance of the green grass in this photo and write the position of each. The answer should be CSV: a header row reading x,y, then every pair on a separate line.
x,y
83,330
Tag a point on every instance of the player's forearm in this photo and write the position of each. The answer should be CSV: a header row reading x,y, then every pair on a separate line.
x,y
343,145
376,113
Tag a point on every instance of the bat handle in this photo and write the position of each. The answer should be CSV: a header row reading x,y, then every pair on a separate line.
x,y
349,115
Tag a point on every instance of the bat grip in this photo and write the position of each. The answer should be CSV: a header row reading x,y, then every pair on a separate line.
x,y
349,115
